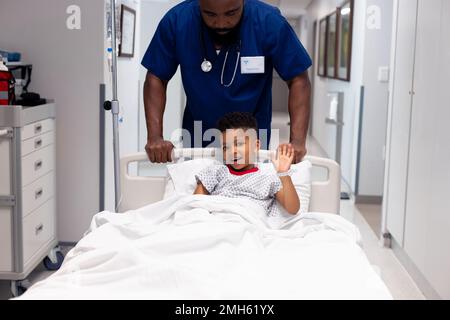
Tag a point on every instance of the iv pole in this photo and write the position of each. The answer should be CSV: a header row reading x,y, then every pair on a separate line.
x,y
113,105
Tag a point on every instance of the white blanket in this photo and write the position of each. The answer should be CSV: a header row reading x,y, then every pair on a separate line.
x,y
209,247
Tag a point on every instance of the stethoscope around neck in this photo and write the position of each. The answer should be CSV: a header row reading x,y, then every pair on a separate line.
x,y
207,65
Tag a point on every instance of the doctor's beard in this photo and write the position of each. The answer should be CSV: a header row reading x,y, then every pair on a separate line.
x,y
231,37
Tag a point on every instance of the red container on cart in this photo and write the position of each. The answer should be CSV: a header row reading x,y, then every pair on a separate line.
x,y
7,84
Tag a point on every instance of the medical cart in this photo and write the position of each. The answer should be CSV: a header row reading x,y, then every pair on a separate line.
x,y
27,193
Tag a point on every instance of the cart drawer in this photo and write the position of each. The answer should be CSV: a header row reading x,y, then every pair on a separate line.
x,y
37,193
38,229
37,128
37,164
37,143
5,240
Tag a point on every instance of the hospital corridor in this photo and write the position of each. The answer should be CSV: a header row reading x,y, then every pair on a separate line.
x,y
224,150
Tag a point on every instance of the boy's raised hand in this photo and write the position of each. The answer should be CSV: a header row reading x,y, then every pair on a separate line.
x,y
284,158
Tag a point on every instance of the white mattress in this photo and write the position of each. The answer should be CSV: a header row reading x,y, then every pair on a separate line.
x,y
206,247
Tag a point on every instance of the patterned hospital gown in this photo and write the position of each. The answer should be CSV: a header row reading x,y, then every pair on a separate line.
x,y
255,185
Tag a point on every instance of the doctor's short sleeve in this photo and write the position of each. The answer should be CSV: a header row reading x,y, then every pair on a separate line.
x,y
288,55
211,176
160,58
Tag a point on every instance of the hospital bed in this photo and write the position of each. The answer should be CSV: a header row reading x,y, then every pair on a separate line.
x,y
201,247
325,194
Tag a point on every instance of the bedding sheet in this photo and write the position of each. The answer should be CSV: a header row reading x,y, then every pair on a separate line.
x,y
211,247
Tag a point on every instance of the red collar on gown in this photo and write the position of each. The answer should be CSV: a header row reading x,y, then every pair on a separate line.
x,y
241,172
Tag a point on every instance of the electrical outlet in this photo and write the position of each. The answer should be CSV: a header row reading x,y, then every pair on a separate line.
x,y
383,74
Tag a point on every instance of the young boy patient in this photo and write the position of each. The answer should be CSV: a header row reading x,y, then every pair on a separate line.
x,y
240,177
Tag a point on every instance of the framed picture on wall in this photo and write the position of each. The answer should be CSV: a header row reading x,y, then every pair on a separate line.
x,y
127,32
332,44
322,55
344,46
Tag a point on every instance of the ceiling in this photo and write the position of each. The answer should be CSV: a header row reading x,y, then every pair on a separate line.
x,y
291,8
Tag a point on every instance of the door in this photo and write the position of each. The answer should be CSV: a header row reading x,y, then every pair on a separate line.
x,y
401,117
427,225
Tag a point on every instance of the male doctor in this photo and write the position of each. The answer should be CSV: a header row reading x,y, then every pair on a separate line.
x,y
227,50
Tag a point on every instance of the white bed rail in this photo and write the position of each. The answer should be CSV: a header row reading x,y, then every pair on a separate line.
x,y
140,191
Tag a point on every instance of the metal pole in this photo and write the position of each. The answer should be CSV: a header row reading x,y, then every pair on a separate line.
x,y
115,109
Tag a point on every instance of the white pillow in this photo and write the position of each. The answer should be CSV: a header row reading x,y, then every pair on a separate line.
x,y
181,178
301,177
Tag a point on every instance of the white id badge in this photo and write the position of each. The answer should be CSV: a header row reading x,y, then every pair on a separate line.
x,y
252,65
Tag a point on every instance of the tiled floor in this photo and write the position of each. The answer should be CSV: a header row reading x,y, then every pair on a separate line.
x,y
392,272
40,273
372,215
368,219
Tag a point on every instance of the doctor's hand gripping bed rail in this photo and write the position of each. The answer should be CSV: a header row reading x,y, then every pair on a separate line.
x,y
325,195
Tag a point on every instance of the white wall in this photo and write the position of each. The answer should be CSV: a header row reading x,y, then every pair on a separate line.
x,y
152,12
129,88
376,95
280,90
371,50
324,133
67,67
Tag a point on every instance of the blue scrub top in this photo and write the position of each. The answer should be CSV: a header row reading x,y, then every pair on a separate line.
x,y
264,32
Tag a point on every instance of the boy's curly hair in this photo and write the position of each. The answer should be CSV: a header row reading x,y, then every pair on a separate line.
x,y
237,120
